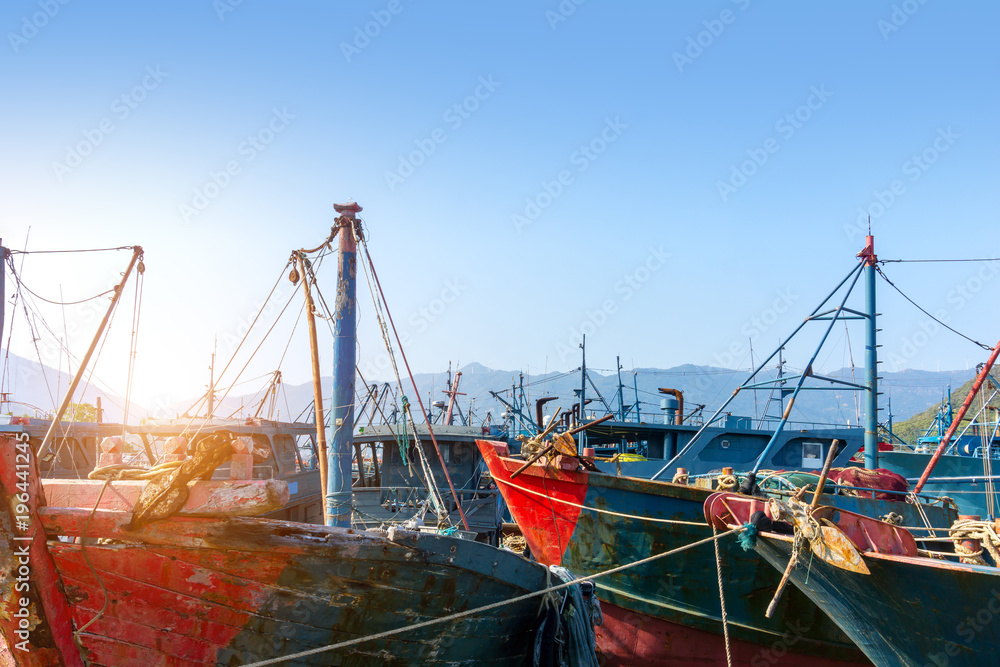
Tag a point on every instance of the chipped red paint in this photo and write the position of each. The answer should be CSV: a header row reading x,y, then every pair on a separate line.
x,y
205,497
49,641
541,511
186,610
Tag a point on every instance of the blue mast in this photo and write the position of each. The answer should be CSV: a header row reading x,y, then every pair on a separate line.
x,y
871,356
340,453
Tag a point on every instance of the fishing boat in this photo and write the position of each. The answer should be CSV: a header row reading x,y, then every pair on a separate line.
x,y
668,612
177,568
902,605
283,450
699,606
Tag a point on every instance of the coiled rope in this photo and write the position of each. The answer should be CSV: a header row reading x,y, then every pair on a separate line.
x,y
973,529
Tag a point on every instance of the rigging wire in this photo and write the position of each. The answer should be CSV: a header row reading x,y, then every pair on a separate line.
x,y
52,252
197,405
893,285
896,261
134,343
17,279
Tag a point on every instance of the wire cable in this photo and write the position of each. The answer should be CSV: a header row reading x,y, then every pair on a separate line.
x,y
959,333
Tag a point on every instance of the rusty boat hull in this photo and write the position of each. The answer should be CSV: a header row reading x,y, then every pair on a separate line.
x,y
190,590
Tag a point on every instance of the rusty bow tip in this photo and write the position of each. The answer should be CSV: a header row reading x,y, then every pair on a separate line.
x,y
349,207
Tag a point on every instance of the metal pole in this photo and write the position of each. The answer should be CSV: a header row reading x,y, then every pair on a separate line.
x,y
635,385
43,448
341,451
583,391
871,357
958,418
317,384
751,478
621,390
690,443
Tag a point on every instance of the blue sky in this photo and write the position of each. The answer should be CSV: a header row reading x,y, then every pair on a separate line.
x,y
673,180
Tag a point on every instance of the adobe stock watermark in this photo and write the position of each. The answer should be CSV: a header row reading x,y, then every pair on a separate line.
x,y
967,630
958,297
455,115
364,34
625,288
562,12
121,108
780,648
581,159
419,321
913,169
786,127
899,17
757,325
248,150
31,25
704,39
223,7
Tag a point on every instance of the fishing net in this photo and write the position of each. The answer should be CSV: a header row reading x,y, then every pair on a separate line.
x,y
879,479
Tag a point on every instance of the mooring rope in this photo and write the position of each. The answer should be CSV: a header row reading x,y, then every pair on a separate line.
x,y
722,600
598,510
489,607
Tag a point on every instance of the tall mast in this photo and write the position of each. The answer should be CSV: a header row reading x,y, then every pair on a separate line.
x,y
119,288
341,452
871,356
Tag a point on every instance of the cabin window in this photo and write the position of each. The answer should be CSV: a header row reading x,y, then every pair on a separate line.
x,y
724,444
812,455
284,450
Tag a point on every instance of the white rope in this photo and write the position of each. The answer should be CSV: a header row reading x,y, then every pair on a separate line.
x,y
599,511
432,490
722,600
489,607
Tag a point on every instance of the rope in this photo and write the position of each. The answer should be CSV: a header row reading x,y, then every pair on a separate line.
x,y
576,632
680,478
53,252
982,531
423,410
726,482
598,510
886,278
93,571
722,599
490,607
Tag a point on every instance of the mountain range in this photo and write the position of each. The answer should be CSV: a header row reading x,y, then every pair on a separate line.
x,y
33,387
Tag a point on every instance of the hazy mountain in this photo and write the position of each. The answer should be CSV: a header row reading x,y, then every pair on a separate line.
x,y
33,386
36,390
909,391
